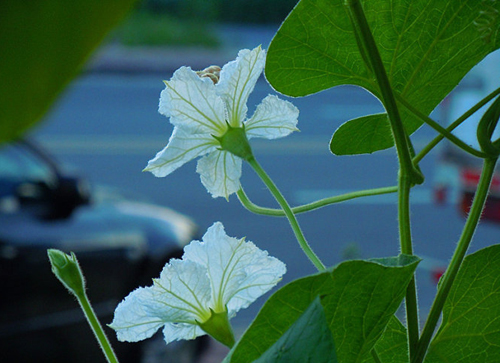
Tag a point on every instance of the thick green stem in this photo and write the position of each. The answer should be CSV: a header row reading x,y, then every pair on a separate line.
x,y
288,213
412,319
248,204
456,261
369,47
408,173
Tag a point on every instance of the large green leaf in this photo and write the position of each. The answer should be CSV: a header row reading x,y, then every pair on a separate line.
x,y
378,291
427,47
470,331
308,340
376,286
43,44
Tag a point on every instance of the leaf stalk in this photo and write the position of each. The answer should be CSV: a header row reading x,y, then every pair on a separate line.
x,y
275,212
288,213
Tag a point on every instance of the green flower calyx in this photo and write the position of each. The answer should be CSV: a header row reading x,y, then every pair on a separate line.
x,y
236,142
218,327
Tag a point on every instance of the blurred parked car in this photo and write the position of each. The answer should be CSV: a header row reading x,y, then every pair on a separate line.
x,y
120,243
458,173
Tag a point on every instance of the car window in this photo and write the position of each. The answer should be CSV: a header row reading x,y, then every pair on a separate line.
x,y
18,164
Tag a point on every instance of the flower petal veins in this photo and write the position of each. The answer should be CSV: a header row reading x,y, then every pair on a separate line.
x,y
219,274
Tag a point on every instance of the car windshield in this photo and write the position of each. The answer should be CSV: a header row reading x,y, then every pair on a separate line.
x,y
18,164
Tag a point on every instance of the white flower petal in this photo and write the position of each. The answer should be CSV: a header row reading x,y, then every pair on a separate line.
x,y
191,102
261,273
182,295
173,332
132,322
272,119
220,173
182,147
237,81
239,272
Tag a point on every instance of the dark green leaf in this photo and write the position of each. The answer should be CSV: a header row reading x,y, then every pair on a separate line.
x,y
426,46
470,331
377,286
308,340
43,45
393,345
376,135
278,314
378,290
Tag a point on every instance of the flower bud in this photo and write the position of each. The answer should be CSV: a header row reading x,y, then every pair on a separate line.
x,y
67,270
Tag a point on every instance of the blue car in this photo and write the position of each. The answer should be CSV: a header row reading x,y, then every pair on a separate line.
x,y
120,243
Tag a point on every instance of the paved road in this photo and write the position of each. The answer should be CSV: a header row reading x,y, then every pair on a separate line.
x,y
107,126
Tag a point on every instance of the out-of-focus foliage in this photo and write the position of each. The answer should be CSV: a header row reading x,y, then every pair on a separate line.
x,y
43,45
149,28
226,11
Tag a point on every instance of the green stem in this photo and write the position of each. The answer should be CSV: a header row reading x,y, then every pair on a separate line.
x,y
408,173
96,327
443,131
248,204
412,319
288,213
455,124
456,261
369,47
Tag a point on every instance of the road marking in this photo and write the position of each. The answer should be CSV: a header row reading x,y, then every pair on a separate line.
x,y
296,144
103,145
140,145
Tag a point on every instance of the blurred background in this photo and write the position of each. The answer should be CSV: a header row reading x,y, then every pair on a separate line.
x,y
105,127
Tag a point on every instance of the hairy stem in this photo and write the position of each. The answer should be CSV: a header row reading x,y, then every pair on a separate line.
x,y
96,327
456,261
412,319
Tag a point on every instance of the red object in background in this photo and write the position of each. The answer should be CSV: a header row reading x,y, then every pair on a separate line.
x,y
440,194
436,274
470,179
